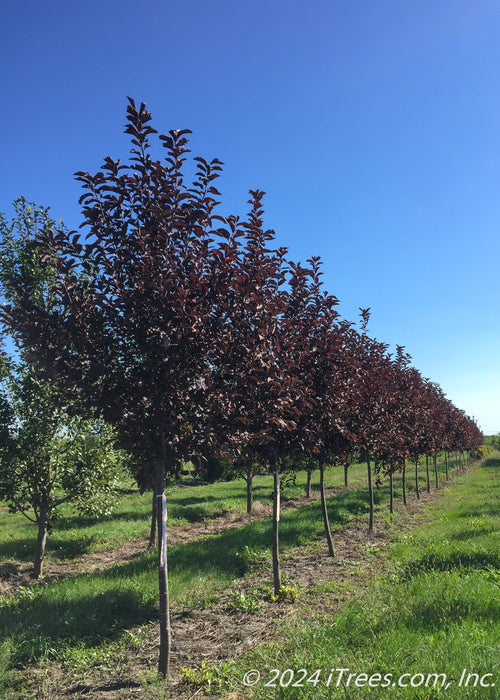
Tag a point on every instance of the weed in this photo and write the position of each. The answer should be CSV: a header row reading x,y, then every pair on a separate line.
x,y
370,549
242,601
286,594
206,678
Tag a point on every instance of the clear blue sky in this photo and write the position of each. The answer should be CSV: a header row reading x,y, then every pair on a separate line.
x,y
372,126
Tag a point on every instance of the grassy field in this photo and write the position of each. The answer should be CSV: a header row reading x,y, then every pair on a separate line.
x,y
434,609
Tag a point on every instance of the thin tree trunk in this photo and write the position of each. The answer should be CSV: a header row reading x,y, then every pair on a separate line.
x,y
391,484
276,520
416,478
370,492
328,532
164,606
43,526
152,531
346,468
446,465
404,483
427,473
436,470
249,480
308,483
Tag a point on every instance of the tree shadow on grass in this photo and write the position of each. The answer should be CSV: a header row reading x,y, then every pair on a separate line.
x,y
479,511
195,513
173,502
468,533
20,549
432,563
439,614
65,549
492,463
41,628
73,522
23,549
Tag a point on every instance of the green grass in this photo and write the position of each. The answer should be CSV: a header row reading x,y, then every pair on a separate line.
x,y
437,610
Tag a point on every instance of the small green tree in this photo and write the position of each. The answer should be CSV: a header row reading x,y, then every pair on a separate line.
x,y
48,458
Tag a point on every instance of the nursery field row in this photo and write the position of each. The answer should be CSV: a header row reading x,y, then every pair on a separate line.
x,y
86,624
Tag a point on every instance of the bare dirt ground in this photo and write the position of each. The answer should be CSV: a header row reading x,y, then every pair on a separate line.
x,y
218,634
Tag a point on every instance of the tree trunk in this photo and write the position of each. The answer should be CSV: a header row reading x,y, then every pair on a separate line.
x,y
370,492
416,478
328,532
404,483
436,470
427,473
308,483
446,465
276,520
152,531
346,468
43,526
164,606
249,480
391,485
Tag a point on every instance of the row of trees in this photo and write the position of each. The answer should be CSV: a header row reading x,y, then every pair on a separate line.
x,y
190,334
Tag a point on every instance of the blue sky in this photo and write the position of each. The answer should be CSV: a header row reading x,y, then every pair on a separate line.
x,y
372,127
